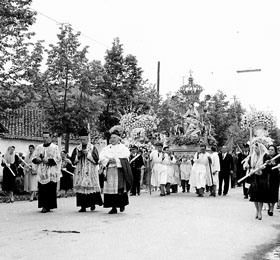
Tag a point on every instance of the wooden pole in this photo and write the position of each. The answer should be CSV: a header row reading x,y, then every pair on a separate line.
x,y
89,137
59,143
158,76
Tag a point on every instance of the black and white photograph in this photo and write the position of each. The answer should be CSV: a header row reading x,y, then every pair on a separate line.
x,y
139,130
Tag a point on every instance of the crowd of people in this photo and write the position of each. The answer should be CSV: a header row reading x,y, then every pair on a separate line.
x,y
109,177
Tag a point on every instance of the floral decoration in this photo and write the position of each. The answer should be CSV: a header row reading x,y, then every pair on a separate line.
x,y
131,121
265,140
257,118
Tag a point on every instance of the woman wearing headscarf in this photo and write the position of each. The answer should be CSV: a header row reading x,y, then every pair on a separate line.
x,y
30,174
10,162
258,190
272,178
118,173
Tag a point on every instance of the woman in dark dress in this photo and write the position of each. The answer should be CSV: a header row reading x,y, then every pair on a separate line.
x,y
258,190
273,178
67,170
10,162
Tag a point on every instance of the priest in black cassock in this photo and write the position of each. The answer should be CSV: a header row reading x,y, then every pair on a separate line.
x,y
48,160
86,176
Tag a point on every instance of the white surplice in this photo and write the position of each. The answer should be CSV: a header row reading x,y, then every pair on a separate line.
x,y
112,152
169,162
186,168
215,167
159,174
200,169
46,173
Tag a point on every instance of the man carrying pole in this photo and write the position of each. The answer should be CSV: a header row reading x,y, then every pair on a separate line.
x,y
214,165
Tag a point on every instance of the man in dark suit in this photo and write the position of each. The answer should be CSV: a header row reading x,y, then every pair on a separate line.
x,y
226,165
136,162
242,172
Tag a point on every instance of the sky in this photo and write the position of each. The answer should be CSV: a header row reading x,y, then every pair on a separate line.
x,y
213,39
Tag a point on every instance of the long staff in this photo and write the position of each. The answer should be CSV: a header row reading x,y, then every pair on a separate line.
x,y
276,167
26,164
149,174
257,169
211,174
3,159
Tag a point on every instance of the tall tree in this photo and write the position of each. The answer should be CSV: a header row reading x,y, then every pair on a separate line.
x,y
218,115
15,20
68,86
122,82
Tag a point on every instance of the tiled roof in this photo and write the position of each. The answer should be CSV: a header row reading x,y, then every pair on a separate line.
x,y
24,124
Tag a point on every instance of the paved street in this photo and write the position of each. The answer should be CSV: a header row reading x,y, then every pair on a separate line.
x,y
180,226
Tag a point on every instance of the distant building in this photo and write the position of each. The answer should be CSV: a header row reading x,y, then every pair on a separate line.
x,y
21,128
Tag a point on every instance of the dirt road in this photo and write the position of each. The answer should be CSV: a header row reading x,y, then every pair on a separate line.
x,y
180,226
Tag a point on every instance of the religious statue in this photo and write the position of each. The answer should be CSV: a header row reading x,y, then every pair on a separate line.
x,y
207,128
191,122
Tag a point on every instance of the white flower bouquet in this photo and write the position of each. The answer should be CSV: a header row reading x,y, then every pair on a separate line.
x,y
131,121
258,118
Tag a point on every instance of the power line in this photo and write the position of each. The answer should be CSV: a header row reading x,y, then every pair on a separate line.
x,y
61,23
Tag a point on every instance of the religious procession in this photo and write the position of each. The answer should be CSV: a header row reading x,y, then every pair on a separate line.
x,y
160,142
130,163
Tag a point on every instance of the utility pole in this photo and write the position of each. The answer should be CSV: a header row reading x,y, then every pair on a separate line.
x,y
234,106
158,76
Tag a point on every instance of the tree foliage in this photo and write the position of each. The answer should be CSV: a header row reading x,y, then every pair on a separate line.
x,y
122,84
15,20
68,87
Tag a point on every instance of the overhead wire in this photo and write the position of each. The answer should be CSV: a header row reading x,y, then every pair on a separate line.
x,y
61,23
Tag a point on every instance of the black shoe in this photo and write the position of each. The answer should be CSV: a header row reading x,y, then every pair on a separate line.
x,y
82,210
44,210
132,194
122,209
163,194
245,197
113,211
138,194
92,208
270,213
224,194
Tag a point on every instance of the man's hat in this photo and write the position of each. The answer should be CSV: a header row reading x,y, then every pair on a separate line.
x,y
158,144
116,132
133,147
83,132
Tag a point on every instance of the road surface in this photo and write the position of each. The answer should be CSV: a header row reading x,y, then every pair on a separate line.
x,y
180,226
